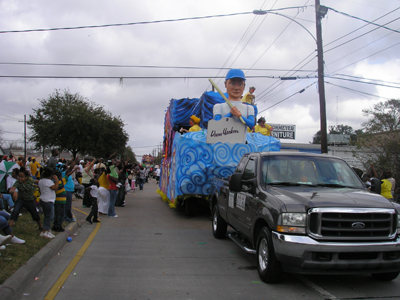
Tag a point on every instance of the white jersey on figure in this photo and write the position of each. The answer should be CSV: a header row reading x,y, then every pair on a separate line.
x,y
223,109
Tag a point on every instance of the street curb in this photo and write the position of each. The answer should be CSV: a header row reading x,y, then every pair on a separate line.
x,y
13,287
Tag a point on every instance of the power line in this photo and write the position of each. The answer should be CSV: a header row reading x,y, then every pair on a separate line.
x,y
19,140
363,47
280,34
345,75
137,66
358,36
252,36
141,77
359,81
3,131
299,92
122,77
8,117
141,23
123,24
360,28
277,92
367,57
357,91
145,147
266,92
237,45
361,19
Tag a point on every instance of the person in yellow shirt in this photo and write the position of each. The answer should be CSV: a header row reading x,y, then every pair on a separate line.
x,y
263,128
35,168
386,185
249,97
194,125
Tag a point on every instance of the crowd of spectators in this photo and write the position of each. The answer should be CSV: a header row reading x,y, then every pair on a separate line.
x,y
386,184
48,189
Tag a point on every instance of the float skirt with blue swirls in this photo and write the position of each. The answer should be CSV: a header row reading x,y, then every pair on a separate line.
x,y
194,163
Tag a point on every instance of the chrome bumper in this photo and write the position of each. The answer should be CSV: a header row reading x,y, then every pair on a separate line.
x,y
302,254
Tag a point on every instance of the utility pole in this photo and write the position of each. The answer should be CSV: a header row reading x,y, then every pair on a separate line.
x,y
161,152
25,138
158,155
320,12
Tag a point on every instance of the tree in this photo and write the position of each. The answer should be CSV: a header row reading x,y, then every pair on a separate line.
x,y
129,154
384,116
338,129
345,130
341,129
380,141
71,122
317,138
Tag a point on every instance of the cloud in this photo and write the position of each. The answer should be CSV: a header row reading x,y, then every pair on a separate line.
x,y
262,41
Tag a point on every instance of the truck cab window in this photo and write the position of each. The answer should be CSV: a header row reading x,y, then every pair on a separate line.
x,y
250,170
241,164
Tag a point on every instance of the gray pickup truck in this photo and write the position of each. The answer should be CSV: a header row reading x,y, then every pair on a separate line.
x,y
307,214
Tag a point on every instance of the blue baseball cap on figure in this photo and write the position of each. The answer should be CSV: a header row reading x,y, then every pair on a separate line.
x,y
235,73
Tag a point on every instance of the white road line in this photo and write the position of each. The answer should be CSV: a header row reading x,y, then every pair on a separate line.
x,y
323,293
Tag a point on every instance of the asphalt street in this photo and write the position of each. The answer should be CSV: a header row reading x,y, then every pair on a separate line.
x,y
154,252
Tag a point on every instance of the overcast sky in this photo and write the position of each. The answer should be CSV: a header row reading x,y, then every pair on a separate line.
x,y
265,46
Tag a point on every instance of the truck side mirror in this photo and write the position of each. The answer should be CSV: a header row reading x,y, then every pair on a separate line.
x,y
235,182
253,186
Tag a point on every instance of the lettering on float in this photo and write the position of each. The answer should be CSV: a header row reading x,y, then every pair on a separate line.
x,y
225,131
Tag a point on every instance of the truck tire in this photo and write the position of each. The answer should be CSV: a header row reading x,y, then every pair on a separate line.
x,y
191,207
385,276
219,226
269,268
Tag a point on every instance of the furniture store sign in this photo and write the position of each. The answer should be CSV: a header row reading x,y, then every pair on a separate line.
x,y
283,131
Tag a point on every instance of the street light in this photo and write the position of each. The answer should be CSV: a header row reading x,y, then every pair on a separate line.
x,y
264,12
320,12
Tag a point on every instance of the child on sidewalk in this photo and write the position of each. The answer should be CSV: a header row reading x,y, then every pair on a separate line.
x,y
93,189
133,180
48,190
22,194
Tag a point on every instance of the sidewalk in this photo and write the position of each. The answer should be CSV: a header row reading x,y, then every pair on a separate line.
x,y
13,287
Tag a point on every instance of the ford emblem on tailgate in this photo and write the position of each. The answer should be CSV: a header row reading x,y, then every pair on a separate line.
x,y
358,225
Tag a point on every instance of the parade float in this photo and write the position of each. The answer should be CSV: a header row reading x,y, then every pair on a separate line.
x,y
191,161
147,160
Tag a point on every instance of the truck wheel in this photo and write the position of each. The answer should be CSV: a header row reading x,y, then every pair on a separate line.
x,y
269,268
191,207
385,276
219,226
